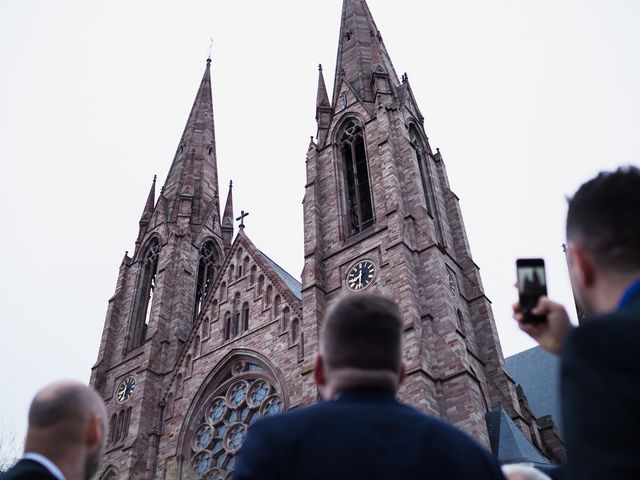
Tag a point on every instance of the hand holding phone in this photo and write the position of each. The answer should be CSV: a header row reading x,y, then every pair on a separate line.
x,y
532,284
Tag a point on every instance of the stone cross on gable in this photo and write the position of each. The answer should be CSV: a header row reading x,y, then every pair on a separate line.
x,y
240,219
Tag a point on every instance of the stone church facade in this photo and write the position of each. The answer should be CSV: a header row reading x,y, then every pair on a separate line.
x,y
205,333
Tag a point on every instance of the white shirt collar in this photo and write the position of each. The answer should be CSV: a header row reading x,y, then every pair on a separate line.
x,y
45,462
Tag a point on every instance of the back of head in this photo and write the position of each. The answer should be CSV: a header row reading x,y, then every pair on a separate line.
x,y
60,412
363,332
603,216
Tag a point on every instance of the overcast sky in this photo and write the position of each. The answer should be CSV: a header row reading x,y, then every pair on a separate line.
x,y
526,100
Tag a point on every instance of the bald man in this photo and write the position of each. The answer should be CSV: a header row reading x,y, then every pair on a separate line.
x,y
65,438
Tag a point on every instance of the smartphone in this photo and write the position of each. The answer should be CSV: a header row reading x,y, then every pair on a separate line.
x,y
532,284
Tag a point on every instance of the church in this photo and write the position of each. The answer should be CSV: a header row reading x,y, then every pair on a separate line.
x,y
205,333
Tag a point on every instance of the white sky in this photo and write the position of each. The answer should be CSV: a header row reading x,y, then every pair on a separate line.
x,y
525,99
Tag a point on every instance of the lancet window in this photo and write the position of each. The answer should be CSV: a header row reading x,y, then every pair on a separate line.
x,y
144,297
207,268
237,326
422,157
359,205
227,326
245,316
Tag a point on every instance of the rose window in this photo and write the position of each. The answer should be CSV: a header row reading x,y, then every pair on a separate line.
x,y
223,428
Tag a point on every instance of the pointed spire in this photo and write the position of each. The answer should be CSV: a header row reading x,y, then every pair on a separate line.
x,y
151,202
361,51
322,99
227,219
194,166
147,213
323,108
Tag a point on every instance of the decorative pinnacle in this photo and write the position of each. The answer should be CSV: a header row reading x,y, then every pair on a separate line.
x,y
320,66
405,77
230,183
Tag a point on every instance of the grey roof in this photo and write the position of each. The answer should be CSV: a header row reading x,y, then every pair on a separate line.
x,y
538,372
508,443
294,285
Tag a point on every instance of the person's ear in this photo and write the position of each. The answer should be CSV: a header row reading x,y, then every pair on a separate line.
x,y
583,265
94,431
318,370
402,373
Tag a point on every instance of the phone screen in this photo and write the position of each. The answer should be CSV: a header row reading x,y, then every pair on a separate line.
x,y
532,284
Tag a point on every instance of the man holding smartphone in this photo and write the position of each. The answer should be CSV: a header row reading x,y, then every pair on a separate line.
x,y
600,376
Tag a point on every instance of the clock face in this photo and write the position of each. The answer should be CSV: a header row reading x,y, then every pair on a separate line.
x,y
361,275
125,389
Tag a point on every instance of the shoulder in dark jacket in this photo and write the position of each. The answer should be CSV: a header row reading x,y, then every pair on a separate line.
x,y
27,470
361,436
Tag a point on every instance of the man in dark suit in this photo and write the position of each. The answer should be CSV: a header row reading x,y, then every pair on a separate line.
x,y
600,374
65,437
361,431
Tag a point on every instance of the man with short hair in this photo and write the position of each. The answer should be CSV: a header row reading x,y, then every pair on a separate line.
x,y
65,437
361,431
600,375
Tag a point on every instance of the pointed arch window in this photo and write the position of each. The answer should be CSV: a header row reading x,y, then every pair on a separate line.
x,y
237,327
112,428
260,284
240,269
359,204
227,326
207,268
277,303
144,297
205,327
285,318
267,297
127,422
425,177
345,99
245,265
245,316
243,392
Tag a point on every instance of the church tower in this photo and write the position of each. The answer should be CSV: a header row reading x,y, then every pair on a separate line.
x,y
380,216
161,288
203,334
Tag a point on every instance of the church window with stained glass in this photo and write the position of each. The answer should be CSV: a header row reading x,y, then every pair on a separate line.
x,y
246,394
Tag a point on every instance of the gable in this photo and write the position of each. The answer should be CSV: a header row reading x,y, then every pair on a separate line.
x,y
247,279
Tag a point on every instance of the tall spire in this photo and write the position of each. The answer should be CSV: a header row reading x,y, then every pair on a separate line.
x,y
194,166
151,202
322,99
323,108
227,219
361,51
147,213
